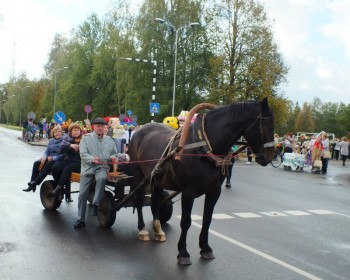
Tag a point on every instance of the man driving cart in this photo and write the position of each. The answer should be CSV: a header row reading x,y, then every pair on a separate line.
x,y
97,151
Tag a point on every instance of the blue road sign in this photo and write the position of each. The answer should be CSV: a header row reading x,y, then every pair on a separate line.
x,y
154,108
59,117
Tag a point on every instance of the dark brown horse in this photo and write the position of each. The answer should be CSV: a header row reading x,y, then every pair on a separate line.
x,y
198,174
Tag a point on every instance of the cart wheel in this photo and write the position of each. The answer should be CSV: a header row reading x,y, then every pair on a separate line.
x,y
166,210
106,215
48,201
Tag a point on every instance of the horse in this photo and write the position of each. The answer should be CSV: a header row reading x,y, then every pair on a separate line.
x,y
199,174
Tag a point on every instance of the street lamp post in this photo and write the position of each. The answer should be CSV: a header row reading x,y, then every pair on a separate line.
x,y
55,94
21,104
176,31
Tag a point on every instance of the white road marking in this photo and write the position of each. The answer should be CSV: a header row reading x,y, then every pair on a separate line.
x,y
342,215
193,217
321,212
297,213
222,216
247,215
274,214
261,254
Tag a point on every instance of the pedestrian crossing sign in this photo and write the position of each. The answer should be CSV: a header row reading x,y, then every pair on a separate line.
x,y
154,108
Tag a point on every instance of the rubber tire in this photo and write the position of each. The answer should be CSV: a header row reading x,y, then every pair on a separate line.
x,y
106,215
49,202
277,162
166,210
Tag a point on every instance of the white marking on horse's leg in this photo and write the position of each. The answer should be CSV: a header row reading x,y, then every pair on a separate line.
x,y
143,235
159,234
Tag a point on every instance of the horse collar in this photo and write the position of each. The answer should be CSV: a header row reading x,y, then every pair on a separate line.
x,y
200,134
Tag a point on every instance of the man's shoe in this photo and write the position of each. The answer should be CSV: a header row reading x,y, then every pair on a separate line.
x,y
228,185
93,210
79,224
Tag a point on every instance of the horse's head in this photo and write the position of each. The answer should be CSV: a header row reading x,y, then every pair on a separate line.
x,y
259,135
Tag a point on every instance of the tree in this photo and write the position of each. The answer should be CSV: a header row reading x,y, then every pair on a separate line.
x,y
304,121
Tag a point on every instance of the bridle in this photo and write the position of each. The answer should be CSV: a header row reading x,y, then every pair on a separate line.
x,y
270,144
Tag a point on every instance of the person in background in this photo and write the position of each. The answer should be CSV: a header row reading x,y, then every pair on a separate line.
x,y
325,154
96,149
118,133
316,152
249,155
289,143
62,170
336,149
41,129
109,129
229,168
344,149
50,157
50,127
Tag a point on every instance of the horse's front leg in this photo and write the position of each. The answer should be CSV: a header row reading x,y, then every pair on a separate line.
x,y
186,205
159,234
210,201
139,200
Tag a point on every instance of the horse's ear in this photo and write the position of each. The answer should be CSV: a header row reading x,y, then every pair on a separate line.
x,y
264,105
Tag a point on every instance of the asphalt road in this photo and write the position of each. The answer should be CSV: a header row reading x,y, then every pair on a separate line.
x,y
272,224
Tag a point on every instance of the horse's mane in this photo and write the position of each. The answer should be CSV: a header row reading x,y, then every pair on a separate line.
x,y
238,110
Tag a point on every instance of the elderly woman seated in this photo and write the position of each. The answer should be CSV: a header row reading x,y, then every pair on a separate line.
x,y
43,166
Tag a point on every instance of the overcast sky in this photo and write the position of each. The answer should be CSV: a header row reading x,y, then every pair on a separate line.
x,y
313,37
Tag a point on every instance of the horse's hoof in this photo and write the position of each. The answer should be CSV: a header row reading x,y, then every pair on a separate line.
x,y
143,235
184,260
160,237
207,256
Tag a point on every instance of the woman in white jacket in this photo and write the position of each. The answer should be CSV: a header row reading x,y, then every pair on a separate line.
x,y
344,149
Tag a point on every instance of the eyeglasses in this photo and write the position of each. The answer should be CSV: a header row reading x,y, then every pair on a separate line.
x,y
60,131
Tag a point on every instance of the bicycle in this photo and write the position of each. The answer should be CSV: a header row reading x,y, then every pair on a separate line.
x,y
277,158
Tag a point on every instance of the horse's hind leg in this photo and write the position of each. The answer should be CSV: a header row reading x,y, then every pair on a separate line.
x,y
159,234
209,204
186,204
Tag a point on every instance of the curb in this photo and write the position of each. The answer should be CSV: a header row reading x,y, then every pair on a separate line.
x,y
42,143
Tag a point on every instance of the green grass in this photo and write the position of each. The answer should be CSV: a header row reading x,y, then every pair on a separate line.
x,y
13,127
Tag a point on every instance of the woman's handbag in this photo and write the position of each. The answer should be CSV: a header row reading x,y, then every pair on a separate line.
x,y
326,154
42,163
318,163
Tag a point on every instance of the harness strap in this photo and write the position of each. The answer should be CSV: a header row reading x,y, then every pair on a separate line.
x,y
164,165
194,145
205,134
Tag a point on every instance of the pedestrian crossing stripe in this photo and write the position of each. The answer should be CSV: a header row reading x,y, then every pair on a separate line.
x,y
274,214
221,216
297,213
247,215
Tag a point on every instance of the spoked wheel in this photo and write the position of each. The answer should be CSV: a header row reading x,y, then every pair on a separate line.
x,y
106,213
277,161
49,201
166,210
